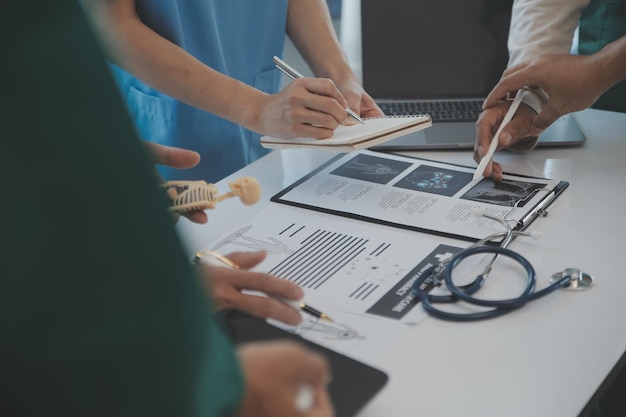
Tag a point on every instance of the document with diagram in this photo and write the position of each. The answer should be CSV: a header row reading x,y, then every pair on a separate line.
x,y
419,194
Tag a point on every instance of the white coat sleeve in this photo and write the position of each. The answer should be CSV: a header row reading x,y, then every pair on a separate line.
x,y
542,26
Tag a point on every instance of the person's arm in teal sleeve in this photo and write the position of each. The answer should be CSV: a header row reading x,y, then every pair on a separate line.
x,y
99,310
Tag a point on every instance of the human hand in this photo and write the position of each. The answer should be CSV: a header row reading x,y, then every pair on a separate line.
x,y
572,83
358,100
225,286
175,158
515,132
274,371
307,107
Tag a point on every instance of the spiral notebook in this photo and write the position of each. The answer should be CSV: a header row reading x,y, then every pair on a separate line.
x,y
375,131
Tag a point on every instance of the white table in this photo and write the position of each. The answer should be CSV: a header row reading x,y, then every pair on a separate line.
x,y
546,359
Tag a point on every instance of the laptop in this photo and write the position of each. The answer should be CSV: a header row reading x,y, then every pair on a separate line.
x,y
441,58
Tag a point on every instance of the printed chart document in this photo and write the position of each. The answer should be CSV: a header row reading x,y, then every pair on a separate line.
x,y
375,131
361,274
420,195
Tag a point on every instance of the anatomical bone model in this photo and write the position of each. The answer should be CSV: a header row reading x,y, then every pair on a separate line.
x,y
199,195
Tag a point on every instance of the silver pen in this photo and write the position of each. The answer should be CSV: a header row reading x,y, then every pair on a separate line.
x,y
290,72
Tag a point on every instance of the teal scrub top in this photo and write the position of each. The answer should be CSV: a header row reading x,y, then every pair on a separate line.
x,y
100,311
235,37
602,22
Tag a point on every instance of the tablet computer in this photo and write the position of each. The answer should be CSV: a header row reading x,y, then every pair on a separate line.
x,y
353,383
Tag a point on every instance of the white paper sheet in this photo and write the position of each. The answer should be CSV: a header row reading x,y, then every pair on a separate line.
x,y
359,271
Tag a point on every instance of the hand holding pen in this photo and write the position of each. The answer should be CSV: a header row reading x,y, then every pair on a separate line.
x,y
292,73
283,301
493,145
312,107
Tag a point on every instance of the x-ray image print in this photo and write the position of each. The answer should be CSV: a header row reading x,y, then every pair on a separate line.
x,y
504,193
435,180
371,168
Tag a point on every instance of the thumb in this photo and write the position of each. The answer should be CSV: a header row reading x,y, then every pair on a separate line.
x,y
355,106
247,260
171,156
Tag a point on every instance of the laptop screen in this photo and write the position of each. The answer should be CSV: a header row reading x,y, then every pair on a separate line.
x,y
433,49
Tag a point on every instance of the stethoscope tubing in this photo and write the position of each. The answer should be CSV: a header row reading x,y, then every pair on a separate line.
x,y
505,303
465,293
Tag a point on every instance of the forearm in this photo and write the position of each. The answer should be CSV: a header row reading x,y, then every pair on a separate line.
x,y
542,26
611,61
310,28
168,68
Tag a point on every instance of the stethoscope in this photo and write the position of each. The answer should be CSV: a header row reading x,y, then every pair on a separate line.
x,y
496,245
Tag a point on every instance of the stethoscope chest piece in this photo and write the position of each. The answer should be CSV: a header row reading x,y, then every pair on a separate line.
x,y
578,280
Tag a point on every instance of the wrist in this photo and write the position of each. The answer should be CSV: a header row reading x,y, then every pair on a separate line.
x,y
337,70
249,113
610,62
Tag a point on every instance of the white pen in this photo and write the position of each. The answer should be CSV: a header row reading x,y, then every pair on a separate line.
x,y
478,175
209,257
290,72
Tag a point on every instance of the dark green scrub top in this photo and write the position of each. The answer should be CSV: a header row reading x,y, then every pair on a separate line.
x,y
100,313
601,23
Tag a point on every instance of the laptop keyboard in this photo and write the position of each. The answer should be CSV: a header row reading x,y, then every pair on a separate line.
x,y
439,111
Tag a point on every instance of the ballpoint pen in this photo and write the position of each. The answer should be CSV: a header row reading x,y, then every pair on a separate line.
x,y
209,257
290,72
480,170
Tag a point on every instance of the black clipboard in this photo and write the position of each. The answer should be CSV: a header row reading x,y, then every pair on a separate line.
x,y
353,383
539,209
